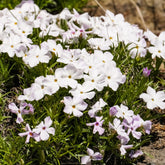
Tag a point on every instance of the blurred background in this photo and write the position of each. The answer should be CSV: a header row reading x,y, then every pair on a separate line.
x,y
147,14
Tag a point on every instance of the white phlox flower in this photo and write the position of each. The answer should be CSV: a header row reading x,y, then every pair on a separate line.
x,y
69,75
99,43
124,112
153,99
95,80
37,55
74,105
113,76
82,91
96,107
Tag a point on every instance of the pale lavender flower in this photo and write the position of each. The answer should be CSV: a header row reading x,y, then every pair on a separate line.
x,y
97,125
131,128
28,108
112,111
124,138
30,134
44,129
146,124
146,72
18,111
135,154
91,156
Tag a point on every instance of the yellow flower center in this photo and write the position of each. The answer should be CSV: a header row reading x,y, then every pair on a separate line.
x,y
109,77
73,106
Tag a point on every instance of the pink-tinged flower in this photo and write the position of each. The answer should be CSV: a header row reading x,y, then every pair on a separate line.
x,y
153,99
97,107
97,125
123,149
146,72
74,105
44,129
147,126
91,156
30,134
82,19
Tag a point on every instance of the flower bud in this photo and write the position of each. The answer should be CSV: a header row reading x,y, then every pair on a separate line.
x,y
146,72
112,111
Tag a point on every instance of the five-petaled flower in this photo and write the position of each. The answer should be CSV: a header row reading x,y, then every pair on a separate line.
x,y
97,125
153,99
91,156
44,129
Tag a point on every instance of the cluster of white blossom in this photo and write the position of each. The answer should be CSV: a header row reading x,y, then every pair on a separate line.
x,y
96,70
